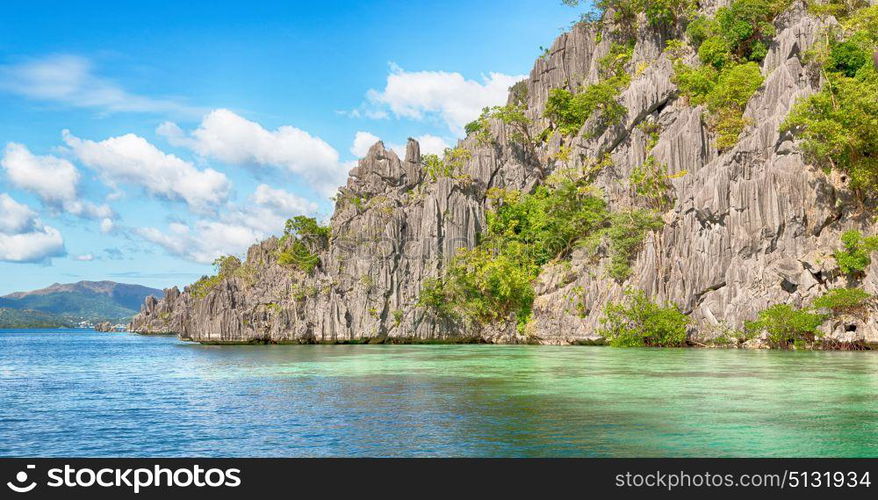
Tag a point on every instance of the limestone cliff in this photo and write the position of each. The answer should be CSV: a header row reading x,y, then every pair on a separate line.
x,y
751,226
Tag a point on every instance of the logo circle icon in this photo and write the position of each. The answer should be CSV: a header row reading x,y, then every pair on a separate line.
x,y
20,478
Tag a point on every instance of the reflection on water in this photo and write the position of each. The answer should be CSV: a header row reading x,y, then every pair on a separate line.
x,y
90,394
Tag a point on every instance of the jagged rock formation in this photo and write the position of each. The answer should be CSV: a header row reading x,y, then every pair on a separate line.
x,y
751,227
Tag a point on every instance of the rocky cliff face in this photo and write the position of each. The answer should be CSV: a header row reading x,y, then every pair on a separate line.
x,y
751,227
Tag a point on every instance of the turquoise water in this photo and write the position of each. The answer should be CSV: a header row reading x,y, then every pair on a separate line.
x,y
81,393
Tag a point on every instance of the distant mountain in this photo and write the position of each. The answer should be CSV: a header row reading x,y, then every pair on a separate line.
x,y
27,318
66,304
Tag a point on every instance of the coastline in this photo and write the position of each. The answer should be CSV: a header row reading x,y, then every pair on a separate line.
x,y
838,346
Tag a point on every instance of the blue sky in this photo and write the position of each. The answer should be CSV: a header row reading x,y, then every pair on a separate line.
x,y
141,139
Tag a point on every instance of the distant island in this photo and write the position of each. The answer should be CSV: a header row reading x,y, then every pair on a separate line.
x,y
83,304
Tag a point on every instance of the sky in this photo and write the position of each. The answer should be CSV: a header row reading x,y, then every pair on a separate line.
x,y
139,140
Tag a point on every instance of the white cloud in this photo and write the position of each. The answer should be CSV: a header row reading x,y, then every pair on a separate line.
x,y
38,246
204,242
132,159
70,80
448,96
50,177
431,144
232,139
362,142
55,180
85,257
267,210
281,202
107,225
265,213
16,218
23,237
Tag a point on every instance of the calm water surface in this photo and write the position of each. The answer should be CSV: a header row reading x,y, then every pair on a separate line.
x,y
81,393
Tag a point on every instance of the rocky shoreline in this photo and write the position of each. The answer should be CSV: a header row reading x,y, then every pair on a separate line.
x,y
755,344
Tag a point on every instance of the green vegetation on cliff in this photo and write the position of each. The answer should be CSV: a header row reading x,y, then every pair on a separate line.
x,y
729,45
524,233
450,165
639,322
855,255
513,115
570,110
626,233
837,126
786,325
303,238
225,267
651,183
844,301
840,9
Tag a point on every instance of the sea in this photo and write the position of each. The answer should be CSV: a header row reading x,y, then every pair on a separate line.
x,y
80,393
